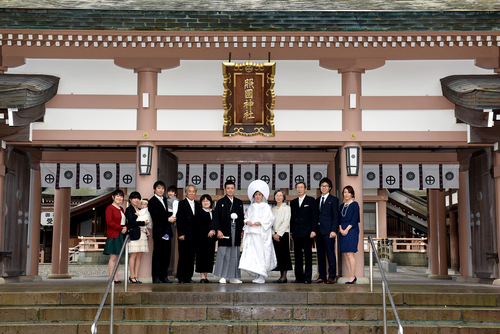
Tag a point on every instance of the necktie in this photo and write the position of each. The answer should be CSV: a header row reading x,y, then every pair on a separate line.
x,y
322,202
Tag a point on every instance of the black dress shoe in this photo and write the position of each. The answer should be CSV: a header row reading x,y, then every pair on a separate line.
x,y
181,281
166,280
307,282
157,280
204,280
190,281
297,281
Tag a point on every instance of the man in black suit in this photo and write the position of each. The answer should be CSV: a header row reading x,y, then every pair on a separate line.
x,y
303,226
327,231
186,213
162,222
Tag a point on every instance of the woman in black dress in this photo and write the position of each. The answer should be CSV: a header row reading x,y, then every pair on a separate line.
x,y
205,245
134,230
349,231
281,235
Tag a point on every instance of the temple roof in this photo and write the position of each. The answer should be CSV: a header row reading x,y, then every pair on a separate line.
x,y
260,5
473,91
254,15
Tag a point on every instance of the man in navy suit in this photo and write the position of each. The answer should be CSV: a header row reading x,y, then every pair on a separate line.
x,y
186,213
327,231
303,225
162,221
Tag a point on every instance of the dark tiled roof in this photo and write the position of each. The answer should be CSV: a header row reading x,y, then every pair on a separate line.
x,y
26,90
473,91
160,20
259,5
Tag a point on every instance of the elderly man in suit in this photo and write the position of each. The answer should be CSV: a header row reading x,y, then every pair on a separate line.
x,y
303,227
162,222
327,231
186,224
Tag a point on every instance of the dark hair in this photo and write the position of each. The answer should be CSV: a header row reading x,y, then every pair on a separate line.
x,y
349,190
280,191
134,194
228,182
158,183
118,192
172,188
208,197
327,180
301,182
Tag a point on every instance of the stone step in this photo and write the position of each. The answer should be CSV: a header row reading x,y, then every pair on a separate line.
x,y
248,313
246,327
290,294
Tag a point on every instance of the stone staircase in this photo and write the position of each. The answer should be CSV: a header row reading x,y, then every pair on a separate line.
x,y
249,308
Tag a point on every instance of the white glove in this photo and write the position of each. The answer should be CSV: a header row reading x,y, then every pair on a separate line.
x,y
234,216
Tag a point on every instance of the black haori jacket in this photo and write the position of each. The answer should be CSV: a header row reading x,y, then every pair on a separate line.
x,y
222,220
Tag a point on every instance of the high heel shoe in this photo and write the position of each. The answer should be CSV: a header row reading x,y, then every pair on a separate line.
x,y
354,280
137,280
131,279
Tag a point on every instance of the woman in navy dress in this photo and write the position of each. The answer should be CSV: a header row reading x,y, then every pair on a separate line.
x,y
349,231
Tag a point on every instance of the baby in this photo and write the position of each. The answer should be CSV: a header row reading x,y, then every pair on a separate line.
x,y
172,205
144,216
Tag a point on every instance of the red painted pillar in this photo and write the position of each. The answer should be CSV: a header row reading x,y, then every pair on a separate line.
x,y
147,89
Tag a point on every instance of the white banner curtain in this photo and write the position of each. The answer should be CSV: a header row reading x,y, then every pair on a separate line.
x,y
371,176
411,177
48,174
390,176
127,175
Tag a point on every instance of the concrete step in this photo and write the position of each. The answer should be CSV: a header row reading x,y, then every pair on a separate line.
x,y
246,327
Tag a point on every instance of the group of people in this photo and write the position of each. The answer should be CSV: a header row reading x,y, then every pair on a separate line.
x,y
263,233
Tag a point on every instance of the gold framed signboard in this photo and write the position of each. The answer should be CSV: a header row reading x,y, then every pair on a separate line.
x,y
248,99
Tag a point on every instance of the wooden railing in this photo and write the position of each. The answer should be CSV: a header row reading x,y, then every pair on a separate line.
x,y
91,244
408,245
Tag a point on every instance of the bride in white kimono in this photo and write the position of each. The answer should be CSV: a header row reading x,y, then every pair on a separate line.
x,y
258,256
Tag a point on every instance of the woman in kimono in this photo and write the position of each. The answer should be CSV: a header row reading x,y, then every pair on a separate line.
x,y
258,257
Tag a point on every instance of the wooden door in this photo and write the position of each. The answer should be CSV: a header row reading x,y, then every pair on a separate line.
x,y
167,172
16,214
482,214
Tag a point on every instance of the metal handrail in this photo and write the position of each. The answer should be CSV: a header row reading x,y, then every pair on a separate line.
x,y
111,284
385,285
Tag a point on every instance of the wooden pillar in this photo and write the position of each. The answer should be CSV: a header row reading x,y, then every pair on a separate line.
x,y
57,234
2,179
432,233
454,254
65,227
382,214
496,174
463,225
439,269
35,228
